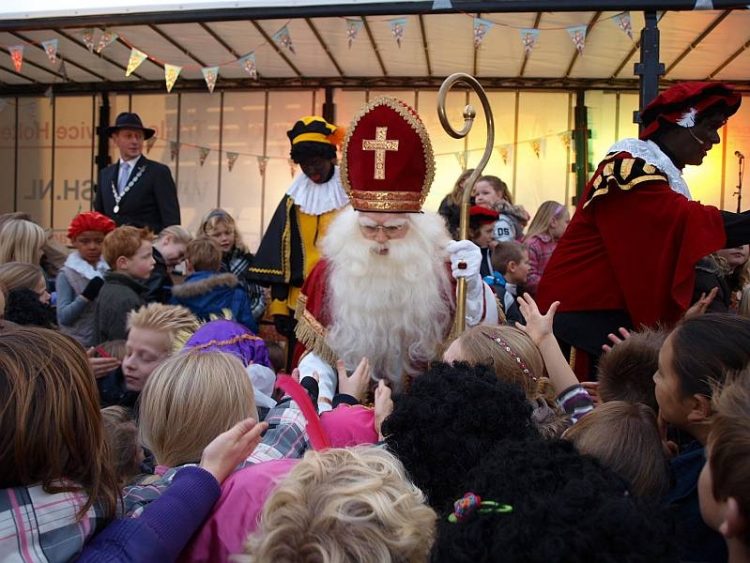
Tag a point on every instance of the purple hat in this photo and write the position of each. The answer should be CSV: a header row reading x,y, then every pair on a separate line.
x,y
232,338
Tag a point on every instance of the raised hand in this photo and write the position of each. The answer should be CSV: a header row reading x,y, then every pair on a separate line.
x,y
231,448
537,326
355,385
383,405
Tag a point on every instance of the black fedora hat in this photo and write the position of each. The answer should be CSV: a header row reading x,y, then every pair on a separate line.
x,y
127,120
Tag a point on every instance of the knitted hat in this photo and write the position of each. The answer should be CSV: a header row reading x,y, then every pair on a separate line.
x,y
90,221
683,104
387,162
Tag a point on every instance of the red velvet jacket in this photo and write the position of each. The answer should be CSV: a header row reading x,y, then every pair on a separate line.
x,y
632,245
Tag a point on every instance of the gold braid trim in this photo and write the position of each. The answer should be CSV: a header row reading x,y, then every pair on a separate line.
x,y
311,333
625,174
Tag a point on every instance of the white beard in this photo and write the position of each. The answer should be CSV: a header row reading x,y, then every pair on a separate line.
x,y
394,308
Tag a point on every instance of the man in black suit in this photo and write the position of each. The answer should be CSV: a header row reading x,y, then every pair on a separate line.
x,y
135,190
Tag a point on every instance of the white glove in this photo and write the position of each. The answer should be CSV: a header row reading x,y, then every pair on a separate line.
x,y
467,252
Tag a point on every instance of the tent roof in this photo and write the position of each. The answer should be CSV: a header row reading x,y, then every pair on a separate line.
x,y
700,45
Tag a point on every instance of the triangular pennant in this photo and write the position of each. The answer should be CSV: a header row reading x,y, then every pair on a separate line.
x,y
283,39
174,150
578,35
624,22
3,104
210,74
16,54
248,65
171,72
136,58
150,144
50,47
529,37
292,167
565,137
537,145
481,28
87,35
442,5
231,159
203,154
352,29
106,40
506,152
461,157
398,27
262,163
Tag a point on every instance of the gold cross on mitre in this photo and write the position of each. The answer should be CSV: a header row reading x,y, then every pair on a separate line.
x,y
380,144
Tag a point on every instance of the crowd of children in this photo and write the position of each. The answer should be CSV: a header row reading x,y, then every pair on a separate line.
x,y
143,417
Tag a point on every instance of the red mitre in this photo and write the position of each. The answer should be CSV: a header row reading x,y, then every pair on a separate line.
x,y
387,162
683,104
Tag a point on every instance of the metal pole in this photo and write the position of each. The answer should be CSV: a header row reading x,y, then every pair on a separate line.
x,y
649,68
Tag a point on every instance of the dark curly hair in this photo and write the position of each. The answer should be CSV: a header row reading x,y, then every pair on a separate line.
x,y
450,418
565,507
24,308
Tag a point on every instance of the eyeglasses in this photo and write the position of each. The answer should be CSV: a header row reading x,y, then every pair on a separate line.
x,y
389,231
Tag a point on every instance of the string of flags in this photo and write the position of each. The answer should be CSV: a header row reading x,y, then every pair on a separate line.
x,y
283,40
505,151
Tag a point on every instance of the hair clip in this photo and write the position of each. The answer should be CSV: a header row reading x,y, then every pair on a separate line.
x,y
505,346
470,502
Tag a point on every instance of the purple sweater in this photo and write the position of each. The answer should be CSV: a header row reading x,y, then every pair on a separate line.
x,y
164,527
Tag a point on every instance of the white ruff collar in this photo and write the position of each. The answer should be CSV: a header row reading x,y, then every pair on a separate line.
x,y
78,264
652,154
316,199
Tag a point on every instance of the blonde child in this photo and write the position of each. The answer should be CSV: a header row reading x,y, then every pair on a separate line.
x,y
546,229
82,277
21,241
492,192
236,258
169,250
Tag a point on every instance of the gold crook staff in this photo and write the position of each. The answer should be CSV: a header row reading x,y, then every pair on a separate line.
x,y
469,115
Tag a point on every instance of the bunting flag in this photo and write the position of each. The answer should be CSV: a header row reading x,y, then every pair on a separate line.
x,y
248,65
16,54
150,144
262,163
49,93
528,39
398,27
210,74
481,28
3,104
231,159
442,5
283,39
505,153
50,47
171,72
537,145
352,29
565,137
106,39
625,24
203,154
87,35
461,157
136,58
174,150
578,35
